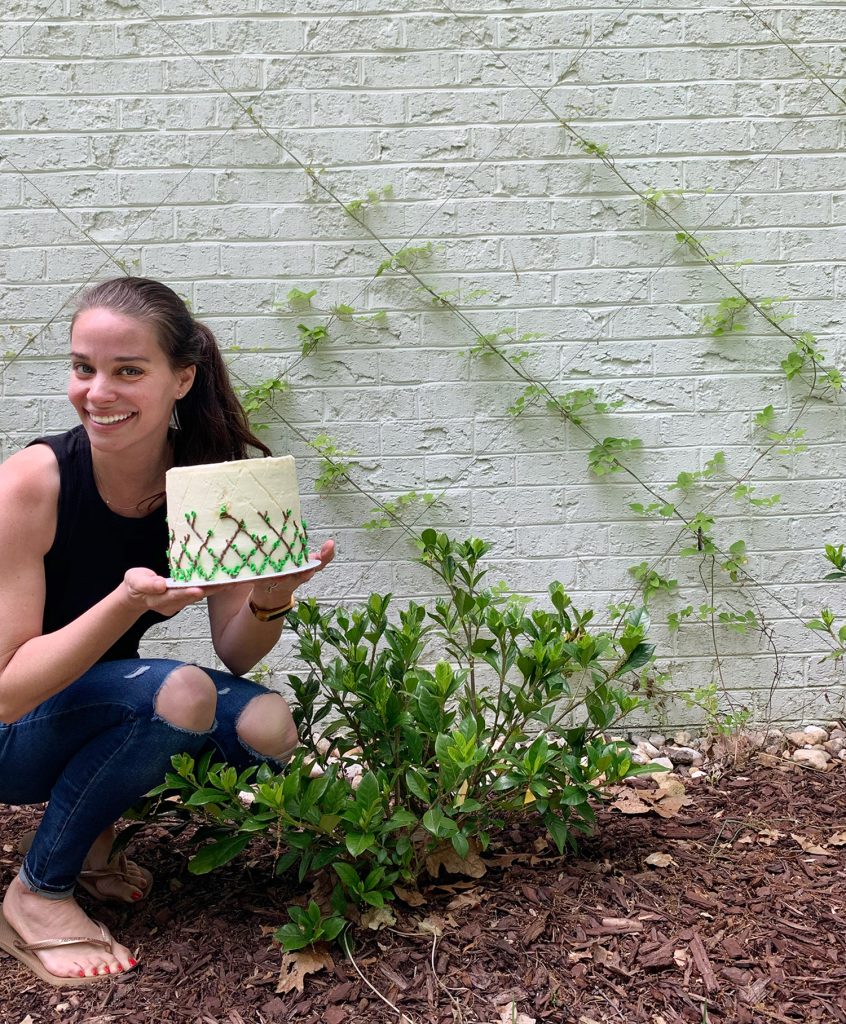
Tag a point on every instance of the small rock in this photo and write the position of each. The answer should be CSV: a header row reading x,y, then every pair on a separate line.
x,y
682,739
697,773
842,755
757,739
683,755
657,740
797,738
665,762
815,758
638,757
645,747
837,734
835,745
773,748
815,734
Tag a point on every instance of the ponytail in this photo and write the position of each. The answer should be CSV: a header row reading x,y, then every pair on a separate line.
x,y
211,423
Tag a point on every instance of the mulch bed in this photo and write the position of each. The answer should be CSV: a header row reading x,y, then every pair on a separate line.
x,y
746,924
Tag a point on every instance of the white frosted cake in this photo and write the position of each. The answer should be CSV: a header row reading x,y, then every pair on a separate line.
x,y
234,520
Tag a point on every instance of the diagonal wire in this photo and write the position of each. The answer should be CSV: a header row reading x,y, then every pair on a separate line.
x,y
539,100
31,25
805,64
454,309
725,199
271,85
290,154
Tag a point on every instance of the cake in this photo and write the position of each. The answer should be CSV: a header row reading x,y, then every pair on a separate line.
x,y
234,520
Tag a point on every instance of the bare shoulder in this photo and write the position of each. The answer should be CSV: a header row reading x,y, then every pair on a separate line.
x,y
29,495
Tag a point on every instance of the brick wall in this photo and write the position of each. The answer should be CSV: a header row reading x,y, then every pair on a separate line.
x,y
124,139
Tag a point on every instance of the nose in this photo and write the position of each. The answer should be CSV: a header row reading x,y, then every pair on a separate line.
x,y
101,389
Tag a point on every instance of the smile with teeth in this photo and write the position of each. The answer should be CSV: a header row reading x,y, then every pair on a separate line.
x,y
104,421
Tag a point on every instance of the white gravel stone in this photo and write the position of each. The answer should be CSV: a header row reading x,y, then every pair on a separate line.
x,y
664,761
657,740
815,758
835,745
815,734
697,773
797,738
682,739
837,734
645,747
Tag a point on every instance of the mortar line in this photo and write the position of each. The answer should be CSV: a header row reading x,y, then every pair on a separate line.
x,y
32,25
276,81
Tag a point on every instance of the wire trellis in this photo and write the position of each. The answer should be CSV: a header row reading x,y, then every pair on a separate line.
x,y
540,100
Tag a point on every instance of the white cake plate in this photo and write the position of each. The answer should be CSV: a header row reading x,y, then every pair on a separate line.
x,y
311,564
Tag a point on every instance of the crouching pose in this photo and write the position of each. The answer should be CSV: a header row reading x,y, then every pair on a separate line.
x,y
84,722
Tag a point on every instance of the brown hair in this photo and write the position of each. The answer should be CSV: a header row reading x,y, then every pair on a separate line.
x,y
213,426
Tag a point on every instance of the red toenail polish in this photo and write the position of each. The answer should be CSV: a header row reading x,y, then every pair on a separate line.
x,y
132,962
82,974
106,970
137,896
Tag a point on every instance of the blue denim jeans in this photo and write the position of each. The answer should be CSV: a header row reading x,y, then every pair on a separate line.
x,y
95,749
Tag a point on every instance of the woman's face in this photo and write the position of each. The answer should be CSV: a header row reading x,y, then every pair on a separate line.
x,y
121,383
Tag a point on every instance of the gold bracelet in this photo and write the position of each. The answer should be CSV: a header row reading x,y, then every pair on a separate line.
x,y
269,614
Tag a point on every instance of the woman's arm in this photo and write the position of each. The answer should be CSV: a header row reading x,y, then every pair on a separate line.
x,y
240,639
34,666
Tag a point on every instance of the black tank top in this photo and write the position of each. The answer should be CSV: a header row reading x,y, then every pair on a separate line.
x,y
94,546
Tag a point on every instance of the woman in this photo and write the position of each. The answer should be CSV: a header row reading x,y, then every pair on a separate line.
x,y
84,723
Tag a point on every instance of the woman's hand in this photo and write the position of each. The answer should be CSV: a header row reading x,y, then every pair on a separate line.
x,y
147,591
278,593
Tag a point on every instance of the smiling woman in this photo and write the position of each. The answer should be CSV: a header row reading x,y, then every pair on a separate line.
x,y
84,723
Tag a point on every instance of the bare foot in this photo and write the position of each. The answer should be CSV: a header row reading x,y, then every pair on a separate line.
x,y
36,918
135,884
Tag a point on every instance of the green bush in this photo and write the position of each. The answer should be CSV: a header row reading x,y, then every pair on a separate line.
x,y
424,731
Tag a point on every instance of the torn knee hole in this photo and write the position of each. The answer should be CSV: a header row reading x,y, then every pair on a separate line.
x,y
187,699
266,727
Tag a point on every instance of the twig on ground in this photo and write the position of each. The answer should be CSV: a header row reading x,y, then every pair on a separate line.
x,y
403,1018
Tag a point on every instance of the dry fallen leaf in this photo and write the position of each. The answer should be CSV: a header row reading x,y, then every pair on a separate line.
x,y
434,924
466,899
769,836
809,846
378,917
510,1015
666,800
413,897
680,957
629,803
580,954
444,856
295,966
838,839
659,860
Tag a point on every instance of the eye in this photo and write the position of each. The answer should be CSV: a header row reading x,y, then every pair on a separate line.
x,y
130,371
81,368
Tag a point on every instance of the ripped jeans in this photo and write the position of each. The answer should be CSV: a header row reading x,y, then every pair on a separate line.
x,y
95,749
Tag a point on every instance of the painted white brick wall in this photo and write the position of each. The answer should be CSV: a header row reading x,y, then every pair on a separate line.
x,y
123,139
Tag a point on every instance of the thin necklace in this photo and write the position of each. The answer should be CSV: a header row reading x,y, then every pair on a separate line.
x,y
122,508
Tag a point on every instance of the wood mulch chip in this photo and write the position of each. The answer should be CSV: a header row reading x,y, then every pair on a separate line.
x,y
744,924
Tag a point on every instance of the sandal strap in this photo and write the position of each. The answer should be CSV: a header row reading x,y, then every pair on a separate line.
x,y
116,868
53,943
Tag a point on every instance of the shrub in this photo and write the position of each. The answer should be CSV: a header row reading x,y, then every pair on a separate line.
x,y
422,733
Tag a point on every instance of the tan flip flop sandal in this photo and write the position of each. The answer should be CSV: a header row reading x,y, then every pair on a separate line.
x,y
120,870
13,944
88,878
